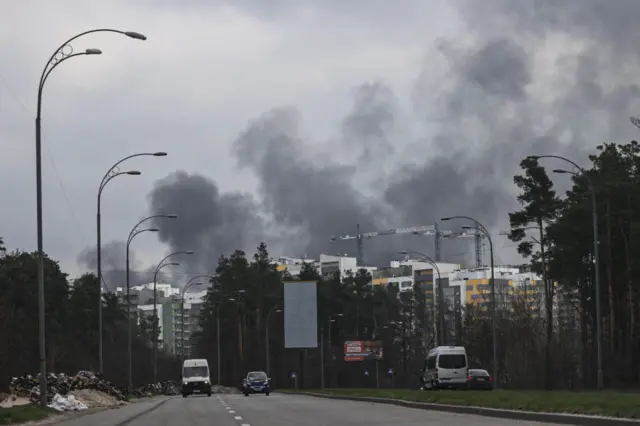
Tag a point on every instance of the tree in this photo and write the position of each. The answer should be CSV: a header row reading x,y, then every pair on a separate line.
x,y
71,325
309,272
19,314
540,208
614,178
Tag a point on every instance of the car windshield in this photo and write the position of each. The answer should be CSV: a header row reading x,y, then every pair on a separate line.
x,y
257,376
452,361
479,373
202,371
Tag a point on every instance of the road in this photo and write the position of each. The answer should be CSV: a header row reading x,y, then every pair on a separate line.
x,y
277,410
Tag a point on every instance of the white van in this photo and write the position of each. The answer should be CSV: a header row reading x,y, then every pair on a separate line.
x,y
445,367
195,377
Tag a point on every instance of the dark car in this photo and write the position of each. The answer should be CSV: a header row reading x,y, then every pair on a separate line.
x,y
256,382
479,380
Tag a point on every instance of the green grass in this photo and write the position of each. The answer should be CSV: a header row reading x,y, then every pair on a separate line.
x,y
23,413
612,404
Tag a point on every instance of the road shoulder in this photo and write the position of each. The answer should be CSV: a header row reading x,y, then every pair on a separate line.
x,y
558,418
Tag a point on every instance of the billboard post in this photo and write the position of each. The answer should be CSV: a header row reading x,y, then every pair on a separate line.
x,y
301,319
361,350
300,314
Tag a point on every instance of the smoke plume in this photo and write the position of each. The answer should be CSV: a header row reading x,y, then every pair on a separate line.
x,y
554,77
114,266
209,223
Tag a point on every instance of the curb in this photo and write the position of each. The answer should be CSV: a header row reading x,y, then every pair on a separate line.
x,y
558,418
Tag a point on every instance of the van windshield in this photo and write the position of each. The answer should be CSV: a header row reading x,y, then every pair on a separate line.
x,y
452,361
189,372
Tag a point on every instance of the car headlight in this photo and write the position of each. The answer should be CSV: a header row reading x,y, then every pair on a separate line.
x,y
184,382
206,382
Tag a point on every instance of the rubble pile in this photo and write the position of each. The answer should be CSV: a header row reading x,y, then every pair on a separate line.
x,y
28,386
162,388
67,403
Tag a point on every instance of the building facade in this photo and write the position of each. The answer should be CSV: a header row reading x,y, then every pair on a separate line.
x,y
177,321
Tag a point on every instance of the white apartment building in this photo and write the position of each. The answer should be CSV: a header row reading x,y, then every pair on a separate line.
x,y
330,264
293,265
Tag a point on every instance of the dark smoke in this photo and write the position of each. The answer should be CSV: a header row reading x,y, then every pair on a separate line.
x,y
209,223
313,200
371,121
498,100
114,265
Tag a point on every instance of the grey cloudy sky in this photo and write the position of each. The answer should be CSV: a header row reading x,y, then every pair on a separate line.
x,y
294,122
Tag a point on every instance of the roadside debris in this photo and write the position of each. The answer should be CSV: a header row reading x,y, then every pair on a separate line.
x,y
66,403
60,384
162,388
80,392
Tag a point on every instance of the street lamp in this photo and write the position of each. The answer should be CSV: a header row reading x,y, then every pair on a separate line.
x,y
330,321
61,54
217,308
113,172
440,296
273,309
494,338
596,254
136,230
189,283
156,320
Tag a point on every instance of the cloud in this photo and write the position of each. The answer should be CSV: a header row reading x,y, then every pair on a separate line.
x,y
502,95
447,98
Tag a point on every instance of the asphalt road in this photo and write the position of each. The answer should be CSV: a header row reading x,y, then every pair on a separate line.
x,y
277,410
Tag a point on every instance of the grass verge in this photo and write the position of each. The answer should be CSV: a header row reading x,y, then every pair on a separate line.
x,y
23,414
610,404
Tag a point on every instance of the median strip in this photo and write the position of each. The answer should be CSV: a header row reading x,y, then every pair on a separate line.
x,y
575,408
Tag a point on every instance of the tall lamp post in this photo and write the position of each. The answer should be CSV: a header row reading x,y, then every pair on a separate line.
x,y
187,286
135,231
163,263
273,309
437,313
330,321
218,351
494,334
596,255
61,54
540,242
113,172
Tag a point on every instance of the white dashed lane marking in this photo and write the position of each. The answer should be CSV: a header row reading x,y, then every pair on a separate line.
x,y
224,404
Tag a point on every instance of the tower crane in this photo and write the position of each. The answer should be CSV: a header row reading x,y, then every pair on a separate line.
x,y
417,230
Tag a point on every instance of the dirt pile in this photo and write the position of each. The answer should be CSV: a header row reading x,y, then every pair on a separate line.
x,y
96,399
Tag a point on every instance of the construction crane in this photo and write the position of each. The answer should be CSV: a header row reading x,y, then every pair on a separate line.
x,y
417,230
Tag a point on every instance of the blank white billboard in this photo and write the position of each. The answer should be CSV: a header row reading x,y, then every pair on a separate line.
x,y
300,314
